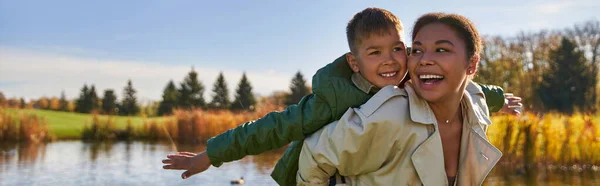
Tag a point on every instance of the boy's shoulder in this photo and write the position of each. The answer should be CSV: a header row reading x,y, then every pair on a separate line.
x,y
334,75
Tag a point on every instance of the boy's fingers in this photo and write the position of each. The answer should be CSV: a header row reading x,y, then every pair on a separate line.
x,y
169,167
185,175
167,161
515,106
514,99
514,103
516,112
187,153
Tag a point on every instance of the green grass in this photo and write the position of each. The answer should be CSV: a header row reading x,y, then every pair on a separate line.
x,y
69,125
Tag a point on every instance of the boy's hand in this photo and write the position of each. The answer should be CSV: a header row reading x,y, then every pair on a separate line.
x,y
512,104
192,163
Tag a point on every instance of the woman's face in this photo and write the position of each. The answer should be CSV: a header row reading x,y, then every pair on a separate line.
x,y
438,64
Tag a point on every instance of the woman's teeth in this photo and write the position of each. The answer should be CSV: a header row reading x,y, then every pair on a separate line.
x,y
388,74
427,77
430,79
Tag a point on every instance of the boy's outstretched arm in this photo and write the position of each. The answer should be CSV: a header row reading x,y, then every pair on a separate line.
x,y
272,131
498,101
494,96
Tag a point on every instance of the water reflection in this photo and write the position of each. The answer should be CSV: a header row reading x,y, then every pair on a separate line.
x,y
138,163
119,163
505,175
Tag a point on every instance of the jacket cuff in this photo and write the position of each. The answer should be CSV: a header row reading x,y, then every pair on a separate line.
x,y
494,97
214,160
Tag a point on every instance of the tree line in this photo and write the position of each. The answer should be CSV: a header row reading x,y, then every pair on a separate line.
x,y
553,70
187,96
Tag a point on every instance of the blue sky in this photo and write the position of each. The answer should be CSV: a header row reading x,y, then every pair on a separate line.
x,y
50,46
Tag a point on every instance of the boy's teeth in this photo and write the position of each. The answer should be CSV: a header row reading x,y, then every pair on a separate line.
x,y
430,76
388,74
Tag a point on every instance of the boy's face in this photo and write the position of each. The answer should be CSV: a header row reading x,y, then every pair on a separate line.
x,y
381,59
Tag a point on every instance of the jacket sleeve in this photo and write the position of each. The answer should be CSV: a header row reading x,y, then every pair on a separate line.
x,y
494,97
345,146
272,131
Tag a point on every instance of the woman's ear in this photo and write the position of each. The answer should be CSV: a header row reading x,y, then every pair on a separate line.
x,y
472,66
352,61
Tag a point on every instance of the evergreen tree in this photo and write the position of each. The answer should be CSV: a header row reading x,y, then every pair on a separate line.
x,y
568,81
170,97
129,105
64,103
191,93
93,99
244,99
298,89
220,99
82,105
109,102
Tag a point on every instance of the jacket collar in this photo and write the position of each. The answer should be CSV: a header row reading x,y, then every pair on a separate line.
x,y
363,84
420,111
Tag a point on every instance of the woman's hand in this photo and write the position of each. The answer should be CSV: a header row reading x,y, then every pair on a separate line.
x,y
192,163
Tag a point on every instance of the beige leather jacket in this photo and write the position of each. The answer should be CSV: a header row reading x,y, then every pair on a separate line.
x,y
393,139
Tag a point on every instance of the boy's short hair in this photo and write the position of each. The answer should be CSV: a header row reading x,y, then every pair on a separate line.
x,y
371,21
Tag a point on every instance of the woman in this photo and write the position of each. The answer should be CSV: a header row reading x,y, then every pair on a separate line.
x,y
431,133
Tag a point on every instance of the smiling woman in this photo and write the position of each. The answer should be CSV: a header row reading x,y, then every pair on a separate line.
x,y
446,52
430,133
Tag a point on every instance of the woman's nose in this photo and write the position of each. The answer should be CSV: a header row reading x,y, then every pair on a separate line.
x,y
426,59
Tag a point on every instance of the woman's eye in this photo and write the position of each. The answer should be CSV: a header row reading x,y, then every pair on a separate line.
x,y
441,50
375,53
415,51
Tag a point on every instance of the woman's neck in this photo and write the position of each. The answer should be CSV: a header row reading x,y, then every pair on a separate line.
x,y
447,109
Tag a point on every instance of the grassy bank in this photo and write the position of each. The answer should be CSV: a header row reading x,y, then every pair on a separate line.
x,y
528,140
69,125
23,127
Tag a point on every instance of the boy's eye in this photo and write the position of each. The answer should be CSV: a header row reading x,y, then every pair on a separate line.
x,y
398,49
375,53
441,50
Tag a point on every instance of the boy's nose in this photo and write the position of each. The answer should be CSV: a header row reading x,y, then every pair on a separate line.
x,y
390,59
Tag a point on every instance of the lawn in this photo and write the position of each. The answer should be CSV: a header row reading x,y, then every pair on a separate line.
x,y
68,125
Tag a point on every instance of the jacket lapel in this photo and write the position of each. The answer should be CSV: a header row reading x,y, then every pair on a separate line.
x,y
478,158
428,158
428,161
478,155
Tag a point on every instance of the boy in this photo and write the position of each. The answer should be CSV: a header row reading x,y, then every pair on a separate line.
x,y
377,58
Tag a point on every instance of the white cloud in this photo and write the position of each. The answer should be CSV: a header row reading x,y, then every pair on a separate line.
x,y
32,74
554,7
563,6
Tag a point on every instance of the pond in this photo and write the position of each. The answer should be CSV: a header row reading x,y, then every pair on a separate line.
x,y
67,163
